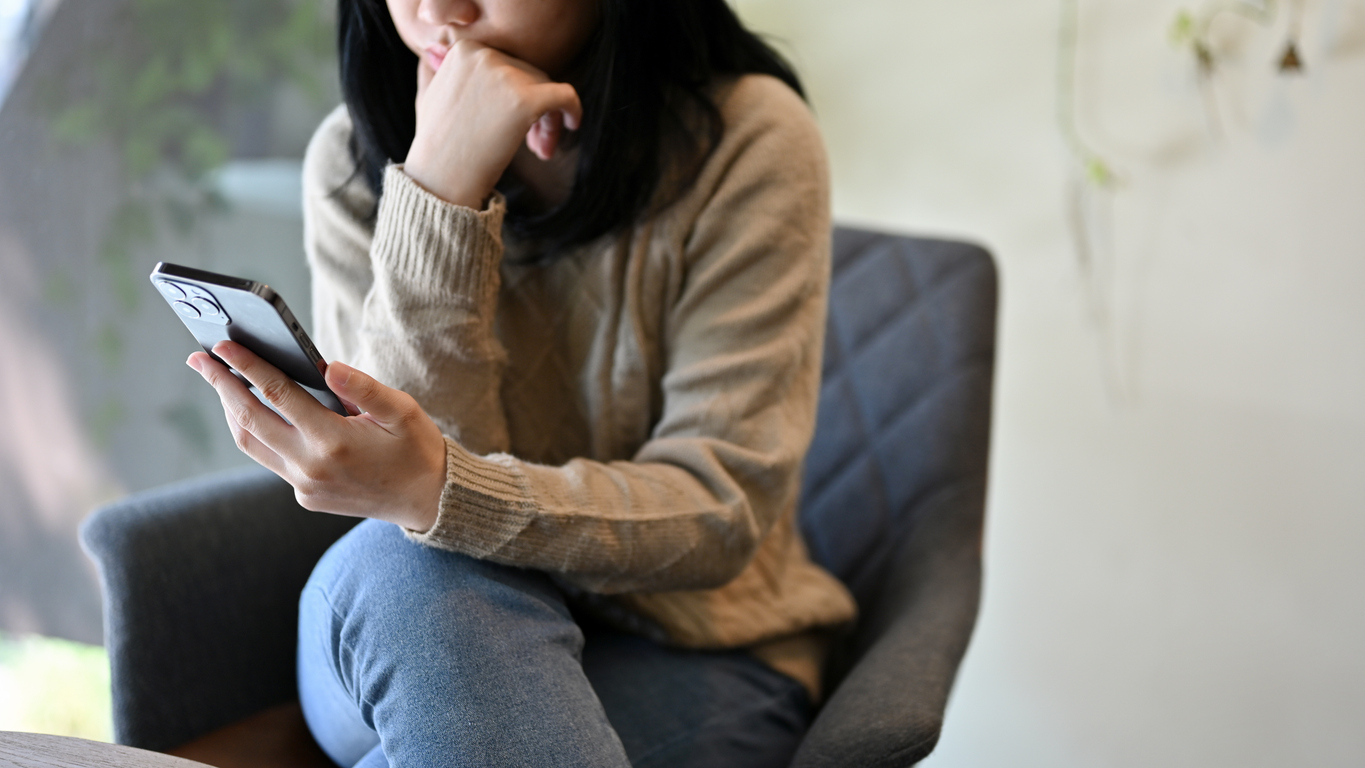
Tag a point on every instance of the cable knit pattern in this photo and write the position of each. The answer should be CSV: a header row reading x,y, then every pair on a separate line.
x,y
630,417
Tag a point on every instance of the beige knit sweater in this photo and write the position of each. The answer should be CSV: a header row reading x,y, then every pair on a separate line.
x,y
630,418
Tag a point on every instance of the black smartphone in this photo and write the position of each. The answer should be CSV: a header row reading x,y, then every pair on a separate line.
x,y
218,308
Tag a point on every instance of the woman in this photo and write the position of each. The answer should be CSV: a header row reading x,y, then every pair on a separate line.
x,y
588,306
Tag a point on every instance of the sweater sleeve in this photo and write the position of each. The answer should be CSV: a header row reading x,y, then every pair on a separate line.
x,y
412,303
742,354
427,324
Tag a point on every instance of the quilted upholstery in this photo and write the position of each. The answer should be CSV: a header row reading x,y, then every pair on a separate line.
x,y
905,404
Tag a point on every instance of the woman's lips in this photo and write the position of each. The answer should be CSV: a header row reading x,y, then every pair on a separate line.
x,y
435,55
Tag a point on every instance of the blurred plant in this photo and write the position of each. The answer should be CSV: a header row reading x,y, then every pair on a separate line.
x,y
162,82
1090,196
1191,30
1094,185
166,87
1095,168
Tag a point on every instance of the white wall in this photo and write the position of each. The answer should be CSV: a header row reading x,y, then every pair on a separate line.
x,y
1177,509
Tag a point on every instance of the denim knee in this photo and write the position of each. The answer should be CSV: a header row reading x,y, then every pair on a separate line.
x,y
383,587
443,655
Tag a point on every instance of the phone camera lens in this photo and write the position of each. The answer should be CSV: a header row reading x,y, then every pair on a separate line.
x,y
170,290
209,310
206,307
187,309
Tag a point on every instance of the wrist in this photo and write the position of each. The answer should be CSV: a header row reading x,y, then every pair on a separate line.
x,y
426,499
474,196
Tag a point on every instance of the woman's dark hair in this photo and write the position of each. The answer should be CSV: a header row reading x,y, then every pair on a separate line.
x,y
642,77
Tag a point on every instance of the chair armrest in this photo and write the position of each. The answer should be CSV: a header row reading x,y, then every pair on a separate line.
x,y
888,709
201,584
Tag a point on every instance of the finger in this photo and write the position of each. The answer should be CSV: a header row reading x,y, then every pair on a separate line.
x,y
550,95
521,64
301,408
351,408
558,97
242,407
543,138
572,119
386,405
249,444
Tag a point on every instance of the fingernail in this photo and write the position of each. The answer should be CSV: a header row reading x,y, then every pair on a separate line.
x,y
193,363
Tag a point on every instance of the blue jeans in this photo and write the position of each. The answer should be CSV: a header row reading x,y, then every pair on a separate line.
x,y
411,656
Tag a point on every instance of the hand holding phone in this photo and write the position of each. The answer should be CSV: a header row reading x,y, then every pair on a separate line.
x,y
218,308
388,461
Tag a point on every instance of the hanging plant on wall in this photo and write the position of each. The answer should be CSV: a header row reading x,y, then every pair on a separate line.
x,y
1192,30
1092,193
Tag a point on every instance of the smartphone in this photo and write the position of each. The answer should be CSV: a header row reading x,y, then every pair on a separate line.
x,y
218,307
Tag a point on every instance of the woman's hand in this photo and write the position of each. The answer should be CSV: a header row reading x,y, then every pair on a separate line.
x,y
387,463
472,116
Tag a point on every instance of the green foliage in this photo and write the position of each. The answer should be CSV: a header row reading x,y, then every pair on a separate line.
x,y
160,88
130,227
162,82
1095,169
1190,29
1098,172
77,125
1183,28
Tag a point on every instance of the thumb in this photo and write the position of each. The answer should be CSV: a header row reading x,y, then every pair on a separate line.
x,y
384,403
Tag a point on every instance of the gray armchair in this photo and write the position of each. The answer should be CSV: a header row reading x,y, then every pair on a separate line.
x,y
201,579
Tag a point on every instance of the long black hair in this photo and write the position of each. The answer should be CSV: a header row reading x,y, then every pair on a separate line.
x,y
644,77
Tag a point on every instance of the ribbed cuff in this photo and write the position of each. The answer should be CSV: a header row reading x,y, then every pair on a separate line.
x,y
484,506
431,245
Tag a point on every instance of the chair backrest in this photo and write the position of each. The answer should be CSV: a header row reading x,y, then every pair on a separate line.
x,y
906,399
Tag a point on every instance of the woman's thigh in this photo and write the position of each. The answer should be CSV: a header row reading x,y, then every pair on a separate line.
x,y
675,708
454,661
458,661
